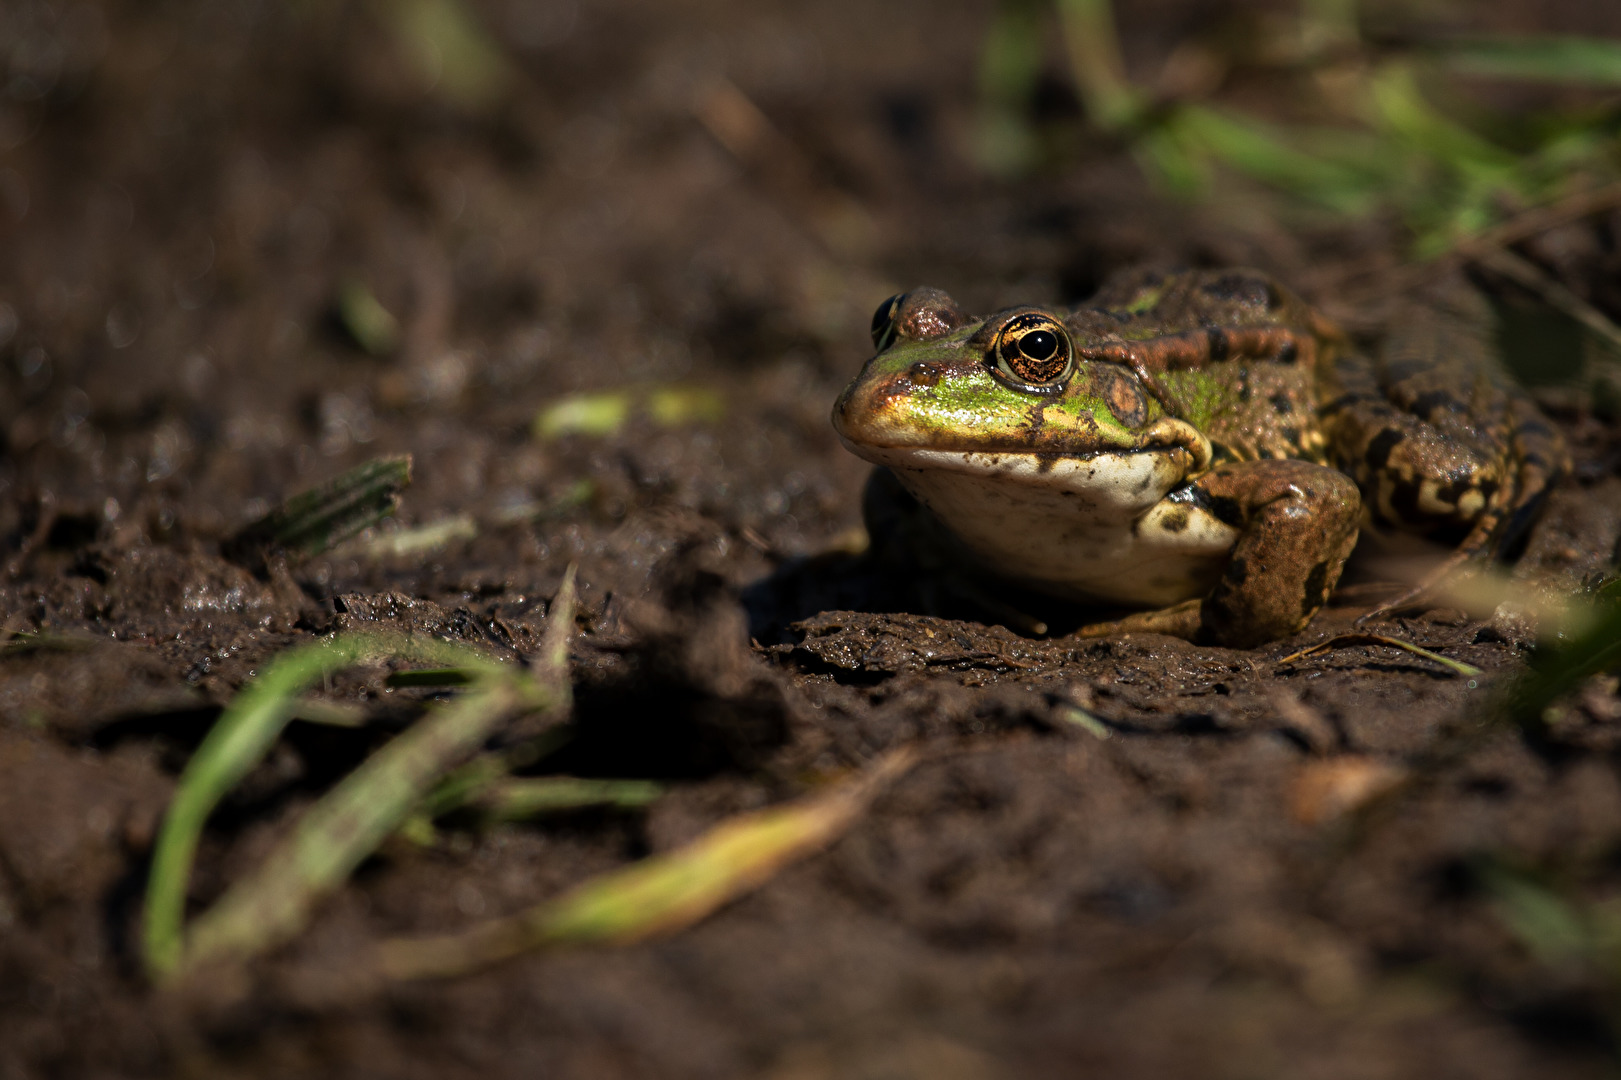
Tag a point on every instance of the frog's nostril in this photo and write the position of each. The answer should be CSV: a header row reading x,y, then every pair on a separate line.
x,y
924,373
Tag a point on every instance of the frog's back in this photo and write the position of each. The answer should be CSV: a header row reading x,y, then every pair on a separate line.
x,y
1231,351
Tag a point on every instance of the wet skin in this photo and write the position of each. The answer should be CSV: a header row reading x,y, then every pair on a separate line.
x,y
1201,444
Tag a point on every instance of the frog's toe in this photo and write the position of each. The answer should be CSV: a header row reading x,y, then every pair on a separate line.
x,y
1180,620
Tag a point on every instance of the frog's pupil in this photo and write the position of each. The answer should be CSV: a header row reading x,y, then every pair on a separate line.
x,y
1038,344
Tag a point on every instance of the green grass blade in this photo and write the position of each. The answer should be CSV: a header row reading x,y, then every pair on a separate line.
x,y
1559,670
348,824
1112,103
1551,58
1403,113
422,539
518,798
1009,69
659,894
1341,641
373,327
237,742
1548,925
452,50
319,519
1244,144
271,905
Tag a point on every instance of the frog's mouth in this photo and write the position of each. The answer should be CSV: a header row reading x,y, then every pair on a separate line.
x,y
1126,478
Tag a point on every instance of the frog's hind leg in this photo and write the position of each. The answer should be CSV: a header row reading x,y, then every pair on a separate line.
x,y
1297,524
1437,435
1542,460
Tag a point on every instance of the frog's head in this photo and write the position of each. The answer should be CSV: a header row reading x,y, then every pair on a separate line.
x,y
1009,394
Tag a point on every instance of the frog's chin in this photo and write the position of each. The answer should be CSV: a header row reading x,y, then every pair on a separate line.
x,y
1129,479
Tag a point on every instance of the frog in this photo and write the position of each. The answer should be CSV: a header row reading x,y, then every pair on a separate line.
x,y
1200,447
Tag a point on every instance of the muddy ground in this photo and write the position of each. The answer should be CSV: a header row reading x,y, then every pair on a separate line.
x,y
711,195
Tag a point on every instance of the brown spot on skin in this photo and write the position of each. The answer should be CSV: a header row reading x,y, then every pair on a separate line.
x,y
1380,447
1315,593
1124,396
1426,405
1404,500
1281,403
1175,520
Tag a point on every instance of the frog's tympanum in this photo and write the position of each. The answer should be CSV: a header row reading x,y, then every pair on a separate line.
x,y
1198,443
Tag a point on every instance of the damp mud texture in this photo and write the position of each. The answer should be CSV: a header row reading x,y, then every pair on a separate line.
x,y
245,246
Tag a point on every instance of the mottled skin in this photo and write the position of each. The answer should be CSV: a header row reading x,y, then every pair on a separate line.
x,y
1189,442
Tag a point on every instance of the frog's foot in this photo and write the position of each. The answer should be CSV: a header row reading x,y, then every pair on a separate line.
x,y
1018,621
1297,524
1179,620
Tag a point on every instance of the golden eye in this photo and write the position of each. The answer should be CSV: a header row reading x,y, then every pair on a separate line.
x,y
1033,350
883,322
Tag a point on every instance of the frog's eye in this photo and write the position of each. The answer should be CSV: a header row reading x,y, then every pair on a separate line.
x,y
883,321
1033,351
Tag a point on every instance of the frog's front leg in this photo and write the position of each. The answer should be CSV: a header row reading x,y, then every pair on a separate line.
x,y
1297,524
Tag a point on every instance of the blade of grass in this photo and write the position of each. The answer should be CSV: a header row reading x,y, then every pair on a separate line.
x,y
1549,926
1112,103
271,905
1402,113
469,783
576,494
1009,70
1552,292
1558,670
373,326
451,49
1244,144
237,742
1550,58
606,412
1084,720
660,894
1341,641
421,539
527,797
599,414
317,520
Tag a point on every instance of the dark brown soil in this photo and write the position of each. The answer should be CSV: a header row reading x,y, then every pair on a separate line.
x,y
186,189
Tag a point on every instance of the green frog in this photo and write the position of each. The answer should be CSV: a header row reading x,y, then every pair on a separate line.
x,y
1201,444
